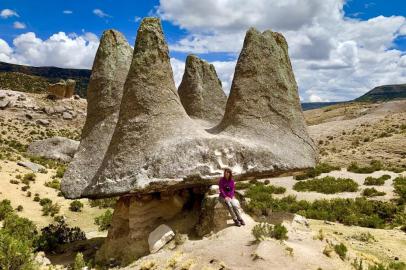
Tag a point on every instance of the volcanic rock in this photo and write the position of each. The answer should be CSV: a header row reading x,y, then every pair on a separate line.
x,y
57,148
105,90
200,91
156,145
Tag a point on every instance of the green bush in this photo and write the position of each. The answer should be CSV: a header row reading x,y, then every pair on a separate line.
x,y
327,185
104,203
15,254
50,209
29,177
374,166
55,184
264,230
364,237
36,198
44,201
76,206
372,181
242,185
104,220
261,188
372,192
399,184
316,171
20,228
5,209
79,262
57,234
19,208
60,171
341,250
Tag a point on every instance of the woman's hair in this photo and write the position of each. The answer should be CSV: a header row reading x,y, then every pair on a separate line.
x,y
229,171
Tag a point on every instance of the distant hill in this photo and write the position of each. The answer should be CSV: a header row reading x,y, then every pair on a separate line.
x,y
316,105
36,79
384,93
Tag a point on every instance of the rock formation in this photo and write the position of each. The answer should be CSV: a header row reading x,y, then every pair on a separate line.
x,y
57,148
105,90
200,91
62,89
156,145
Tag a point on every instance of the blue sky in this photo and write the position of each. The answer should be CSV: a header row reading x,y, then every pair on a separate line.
x,y
337,48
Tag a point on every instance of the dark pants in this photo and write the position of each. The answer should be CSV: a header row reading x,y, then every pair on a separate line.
x,y
232,206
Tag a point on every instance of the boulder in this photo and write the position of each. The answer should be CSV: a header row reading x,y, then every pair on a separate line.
x,y
214,216
105,90
70,88
67,116
2,95
57,90
4,103
156,145
57,148
43,122
32,166
200,91
159,237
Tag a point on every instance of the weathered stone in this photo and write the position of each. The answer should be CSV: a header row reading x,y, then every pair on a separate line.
x,y
213,216
21,97
105,90
57,148
57,90
70,88
159,237
49,109
4,103
32,166
156,145
2,95
59,109
200,91
76,96
43,122
214,189
67,116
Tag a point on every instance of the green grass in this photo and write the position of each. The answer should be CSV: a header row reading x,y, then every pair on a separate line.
x,y
399,183
372,181
373,166
263,230
316,171
260,188
327,185
341,250
372,192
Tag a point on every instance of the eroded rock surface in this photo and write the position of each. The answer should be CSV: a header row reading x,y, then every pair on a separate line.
x,y
104,94
156,145
200,91
57,148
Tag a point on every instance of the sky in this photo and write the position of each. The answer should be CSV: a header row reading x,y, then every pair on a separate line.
x,y
339,49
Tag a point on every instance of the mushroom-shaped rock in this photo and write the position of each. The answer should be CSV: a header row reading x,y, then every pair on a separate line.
x,y
156,145
105,90
200,91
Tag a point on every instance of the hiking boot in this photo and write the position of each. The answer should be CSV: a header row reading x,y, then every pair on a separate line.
x,y
237,223
241,222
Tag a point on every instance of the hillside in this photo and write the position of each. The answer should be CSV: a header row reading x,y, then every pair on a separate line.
x,y
36,79
316,105
384,93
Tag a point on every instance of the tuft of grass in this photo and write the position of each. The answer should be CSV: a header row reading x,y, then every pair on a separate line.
x,y
372,181
264,230
399,183
375,165
76,206
372,192
327,185
341,250
316,171
55,184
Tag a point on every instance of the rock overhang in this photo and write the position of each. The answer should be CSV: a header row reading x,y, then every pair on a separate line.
x,y
156,146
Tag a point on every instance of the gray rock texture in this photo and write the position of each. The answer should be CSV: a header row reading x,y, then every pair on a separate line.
x,y
57,148
104,94
200,91
157,146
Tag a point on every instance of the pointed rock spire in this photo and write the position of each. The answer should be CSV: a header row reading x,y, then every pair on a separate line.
x,y
200,91
104,93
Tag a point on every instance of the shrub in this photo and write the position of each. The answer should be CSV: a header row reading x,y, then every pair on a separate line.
x,y
364,237
399,184
20,228
316,171
327,185
76,206
372,181
25,188
19,208
60,171
372,192
104,220
79,262
341,250
44,201
14,253
55,184
242,185
5,209
36,198
374,166
104,203
264,230
58,234
260,188
50,209
29,177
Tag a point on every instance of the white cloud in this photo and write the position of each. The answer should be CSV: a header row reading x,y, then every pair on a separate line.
x,y
19,25
137,19
334,57
6,13
60,49
315,98
67,12
178,67
100,13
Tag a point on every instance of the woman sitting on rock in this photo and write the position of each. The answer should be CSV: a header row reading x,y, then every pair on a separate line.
x,y
227,188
